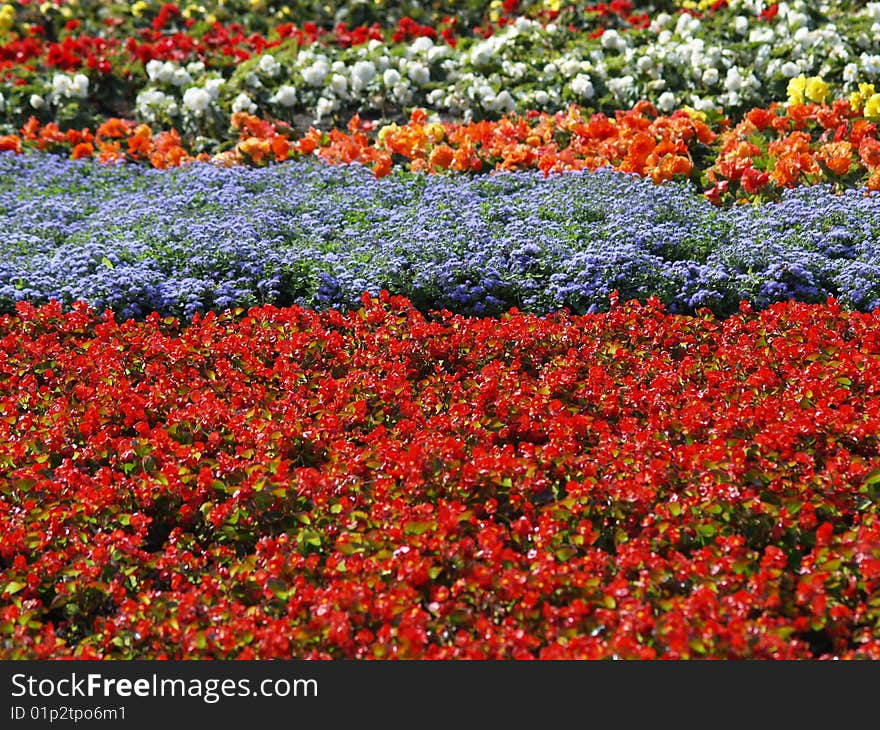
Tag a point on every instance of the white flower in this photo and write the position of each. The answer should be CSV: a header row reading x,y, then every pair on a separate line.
x,y
851,71
196,99
871,64
644,64
180,77
195,68
741,24
550,69
323,108
339,84
789,69
482,53
402,93
612,40
734,80
437,52
391,77
418,73
241,103
212,86
286,95
159,71
582,85
269,66
2,103
361,74
61,85
621,86
710,76
504,102
253,81
542,97
315,74
666,102
153,68
151,97
80,86
419,45
36,101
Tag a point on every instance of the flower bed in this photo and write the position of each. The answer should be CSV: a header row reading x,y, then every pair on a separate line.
x,y
616,399
736,58
385,485
202,237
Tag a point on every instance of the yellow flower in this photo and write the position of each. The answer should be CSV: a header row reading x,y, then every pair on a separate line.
x,y
796,88
872,106
816,89
435,132
137,10
385,131
858,98
694,114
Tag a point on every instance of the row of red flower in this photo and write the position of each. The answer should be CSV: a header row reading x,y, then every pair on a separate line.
x,y
217,46
381,483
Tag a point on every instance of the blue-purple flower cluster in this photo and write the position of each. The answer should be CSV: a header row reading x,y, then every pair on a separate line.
x,y
203,237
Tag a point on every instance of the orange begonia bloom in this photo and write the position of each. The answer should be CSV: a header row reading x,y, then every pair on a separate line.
x,y
869,153
836,156
442,156
115,128
83,149
10,143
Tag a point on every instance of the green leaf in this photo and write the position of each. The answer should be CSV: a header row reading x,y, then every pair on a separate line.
x,y
13,587
706,530
417,527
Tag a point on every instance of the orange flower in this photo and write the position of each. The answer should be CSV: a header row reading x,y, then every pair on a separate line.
x,y
280,147
115,128
110,152
836,156
761,118
754,180
83,149
308,144
383,165
10,143
30,129
787,172
642,145
869,153
255,149
670,166
140,144
442,156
